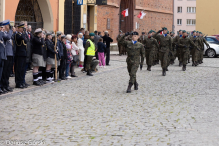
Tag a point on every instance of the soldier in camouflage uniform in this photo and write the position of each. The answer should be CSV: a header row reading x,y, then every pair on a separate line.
x,y
199,51
127,38
156,52
134,51
173,51
175,41
165,46
193,51
150,45
119,45
184,43
142,37
203,41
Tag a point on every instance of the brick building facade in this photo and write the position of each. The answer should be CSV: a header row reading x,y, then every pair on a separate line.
x,y
159,13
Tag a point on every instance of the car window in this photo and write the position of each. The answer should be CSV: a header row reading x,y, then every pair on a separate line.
x,y
210,40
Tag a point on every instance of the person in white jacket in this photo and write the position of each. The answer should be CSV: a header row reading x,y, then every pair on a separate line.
x,y
81,50
74,52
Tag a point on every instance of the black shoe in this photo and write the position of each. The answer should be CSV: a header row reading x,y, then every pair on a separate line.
x,y
37,83
19,86
74,76
63,78
129,88
1,92
167,69
164,72
184,68
9,89
4,90
24,85
11,75
27,84
149,68
42,82
180,64
136,86
89,73
107,65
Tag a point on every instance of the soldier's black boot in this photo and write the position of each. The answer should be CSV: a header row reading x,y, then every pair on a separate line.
x,y
180,64
149,68
193,64
184,68
136,86
164,72
167,69
129,88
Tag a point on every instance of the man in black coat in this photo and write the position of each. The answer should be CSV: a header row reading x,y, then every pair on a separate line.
x,y
107,40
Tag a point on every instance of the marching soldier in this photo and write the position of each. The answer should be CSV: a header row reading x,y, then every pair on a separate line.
x,y
150,45
175,41
184,43
202,48
20,56
134,50
165,46
194,52
156,52
119,45
9,53
173,51
142,37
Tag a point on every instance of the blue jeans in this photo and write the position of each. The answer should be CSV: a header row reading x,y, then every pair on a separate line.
x,y
67,69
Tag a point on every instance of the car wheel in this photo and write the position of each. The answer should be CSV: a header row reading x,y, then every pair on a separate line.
x,y
211,53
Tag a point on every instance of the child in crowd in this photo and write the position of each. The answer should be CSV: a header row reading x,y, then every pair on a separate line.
x,y
101,50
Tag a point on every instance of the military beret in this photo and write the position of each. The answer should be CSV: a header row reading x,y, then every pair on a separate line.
x,y
135,33
164,28
200,32
91,34
21,26
150,32
38,30
48,33
187,32
180,30
6,22
184,31
143,32
197,31
168,32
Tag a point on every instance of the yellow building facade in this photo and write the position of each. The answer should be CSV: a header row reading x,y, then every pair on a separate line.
x,y
207,17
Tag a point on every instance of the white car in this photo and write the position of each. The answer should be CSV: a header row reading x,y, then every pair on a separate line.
x,y
213,51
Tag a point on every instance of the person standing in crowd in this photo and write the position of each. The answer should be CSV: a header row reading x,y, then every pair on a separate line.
x,y
99,33
165,47
50,61
69,56
81,50
184,43
96,40
61,56
90,53
82,31
134,50
65,58
37,57
42,69
9,54
29,46
101,49
150,44
107,40
74,52
20,56
119,45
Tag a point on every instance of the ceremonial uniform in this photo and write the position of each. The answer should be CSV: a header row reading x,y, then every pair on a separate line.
x,y
184,43
165,47
194,52
142,37
119,45
134,51
150,45
20,58
175,41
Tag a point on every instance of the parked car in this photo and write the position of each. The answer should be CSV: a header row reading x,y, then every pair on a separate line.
x,y
213,51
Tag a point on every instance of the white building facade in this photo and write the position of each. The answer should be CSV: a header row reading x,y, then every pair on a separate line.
x,y
184,15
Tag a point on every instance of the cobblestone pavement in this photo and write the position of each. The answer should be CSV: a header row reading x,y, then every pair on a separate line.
x,y
180,109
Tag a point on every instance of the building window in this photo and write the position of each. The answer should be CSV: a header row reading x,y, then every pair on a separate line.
x,y
191,9
191,21
179,10
179,21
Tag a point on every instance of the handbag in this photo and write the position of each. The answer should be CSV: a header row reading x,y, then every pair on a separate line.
x,y
75,58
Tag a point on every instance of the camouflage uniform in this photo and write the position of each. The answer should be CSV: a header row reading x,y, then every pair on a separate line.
x,y
172,52
134,51
184,44
119,45
156,54
175,41
150,45
165,46
194,51
203,41
142,38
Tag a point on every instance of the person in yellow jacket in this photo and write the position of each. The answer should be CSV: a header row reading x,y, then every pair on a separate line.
x,y
89,53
